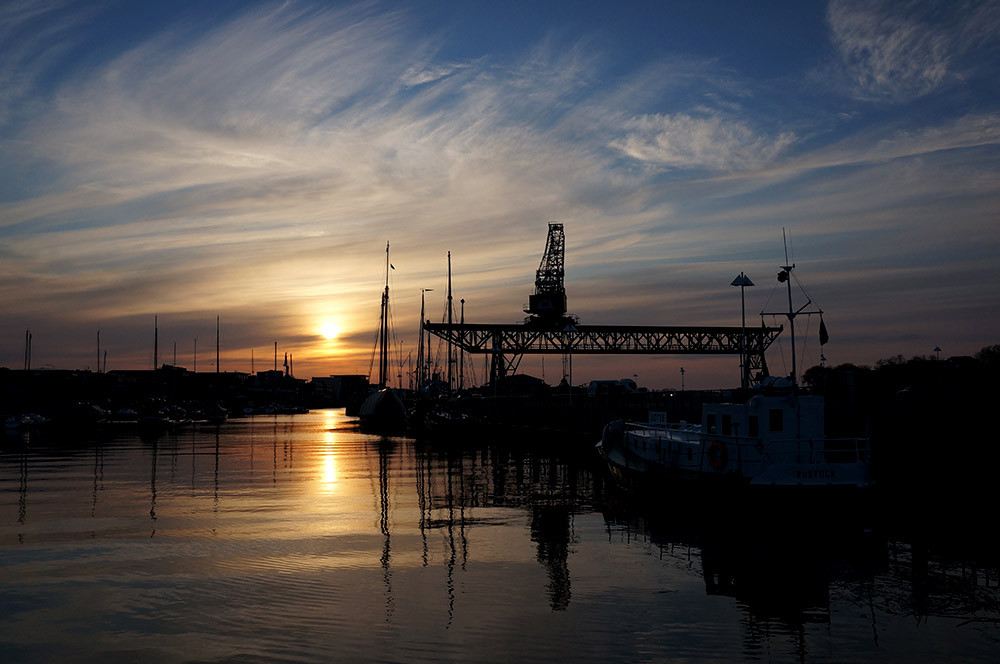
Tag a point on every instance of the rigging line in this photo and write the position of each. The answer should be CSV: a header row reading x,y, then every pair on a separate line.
x,y
791,249
770,295
371,361
781,347
378,329
396,347
391,321
802,287
469,358
805,342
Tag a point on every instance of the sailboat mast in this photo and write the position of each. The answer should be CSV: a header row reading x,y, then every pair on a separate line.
x,y
422,359
461,351
450,307
420,345
383,345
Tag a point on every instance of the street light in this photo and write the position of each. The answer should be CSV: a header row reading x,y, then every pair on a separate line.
x,y
743,281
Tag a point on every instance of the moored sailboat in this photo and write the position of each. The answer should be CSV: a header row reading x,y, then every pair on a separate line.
x,y
383,411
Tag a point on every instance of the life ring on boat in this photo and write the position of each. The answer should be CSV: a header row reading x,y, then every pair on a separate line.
x,y
716,455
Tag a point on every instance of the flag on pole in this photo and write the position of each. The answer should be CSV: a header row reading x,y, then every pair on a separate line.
x,y
823,336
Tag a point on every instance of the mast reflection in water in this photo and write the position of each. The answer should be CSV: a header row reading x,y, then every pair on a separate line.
x,y
280,538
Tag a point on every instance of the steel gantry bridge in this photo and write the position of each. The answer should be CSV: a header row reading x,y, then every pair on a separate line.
x,y
548,329
507,344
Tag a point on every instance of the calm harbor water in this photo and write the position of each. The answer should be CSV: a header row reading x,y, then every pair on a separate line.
x,y
296,538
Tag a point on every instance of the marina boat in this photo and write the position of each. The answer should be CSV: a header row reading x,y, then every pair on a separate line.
x,y
776,437
383,411
773,438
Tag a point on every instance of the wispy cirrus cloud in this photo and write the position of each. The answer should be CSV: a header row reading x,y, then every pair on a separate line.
x,y
35,36
900,51
707,142
422,73
263,157
255,164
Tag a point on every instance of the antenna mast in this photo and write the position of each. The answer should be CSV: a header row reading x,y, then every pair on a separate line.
x,y
785,277
383,350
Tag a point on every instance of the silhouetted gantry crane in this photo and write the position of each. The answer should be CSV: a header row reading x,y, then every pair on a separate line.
x,y
547,305
550,330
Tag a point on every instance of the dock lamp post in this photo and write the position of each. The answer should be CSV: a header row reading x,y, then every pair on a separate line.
x,y
743,281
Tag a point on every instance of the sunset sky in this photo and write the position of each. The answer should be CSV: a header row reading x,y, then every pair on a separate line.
x,y
250,160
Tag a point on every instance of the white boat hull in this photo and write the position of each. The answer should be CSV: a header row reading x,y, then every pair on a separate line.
x,y
684,453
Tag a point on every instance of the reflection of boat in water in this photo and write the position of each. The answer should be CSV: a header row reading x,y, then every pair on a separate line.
x,y
383,411
776,437
15,422
781,576
447,424
158,414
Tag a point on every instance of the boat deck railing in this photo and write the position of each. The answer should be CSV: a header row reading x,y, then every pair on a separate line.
x,y
743,449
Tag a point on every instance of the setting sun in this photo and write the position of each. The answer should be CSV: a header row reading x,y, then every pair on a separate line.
x,y
328,330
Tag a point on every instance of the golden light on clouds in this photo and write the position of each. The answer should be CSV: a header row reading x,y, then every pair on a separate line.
x,y
255,164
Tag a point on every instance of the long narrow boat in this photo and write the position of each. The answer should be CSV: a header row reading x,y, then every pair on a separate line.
x,y
774,438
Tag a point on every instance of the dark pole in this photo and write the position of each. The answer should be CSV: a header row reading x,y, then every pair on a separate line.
x,y
461,352
743,281
449,321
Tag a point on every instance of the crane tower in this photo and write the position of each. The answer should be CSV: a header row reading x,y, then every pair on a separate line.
x,y
548,303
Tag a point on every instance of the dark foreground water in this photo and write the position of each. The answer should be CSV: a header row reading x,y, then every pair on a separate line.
x,y
299,539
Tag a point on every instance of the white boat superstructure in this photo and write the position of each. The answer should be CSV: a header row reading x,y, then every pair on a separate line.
x,y
771,439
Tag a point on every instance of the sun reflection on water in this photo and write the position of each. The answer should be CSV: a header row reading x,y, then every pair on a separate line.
x,y
328,478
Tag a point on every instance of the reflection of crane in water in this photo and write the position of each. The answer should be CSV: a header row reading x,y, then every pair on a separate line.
x,y
551,530
549,490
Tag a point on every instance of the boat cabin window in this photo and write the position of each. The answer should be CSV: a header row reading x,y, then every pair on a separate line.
x,y
727,425
777,422
754,428
710,423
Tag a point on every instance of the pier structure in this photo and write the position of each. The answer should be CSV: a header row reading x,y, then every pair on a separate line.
x,y
549,329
